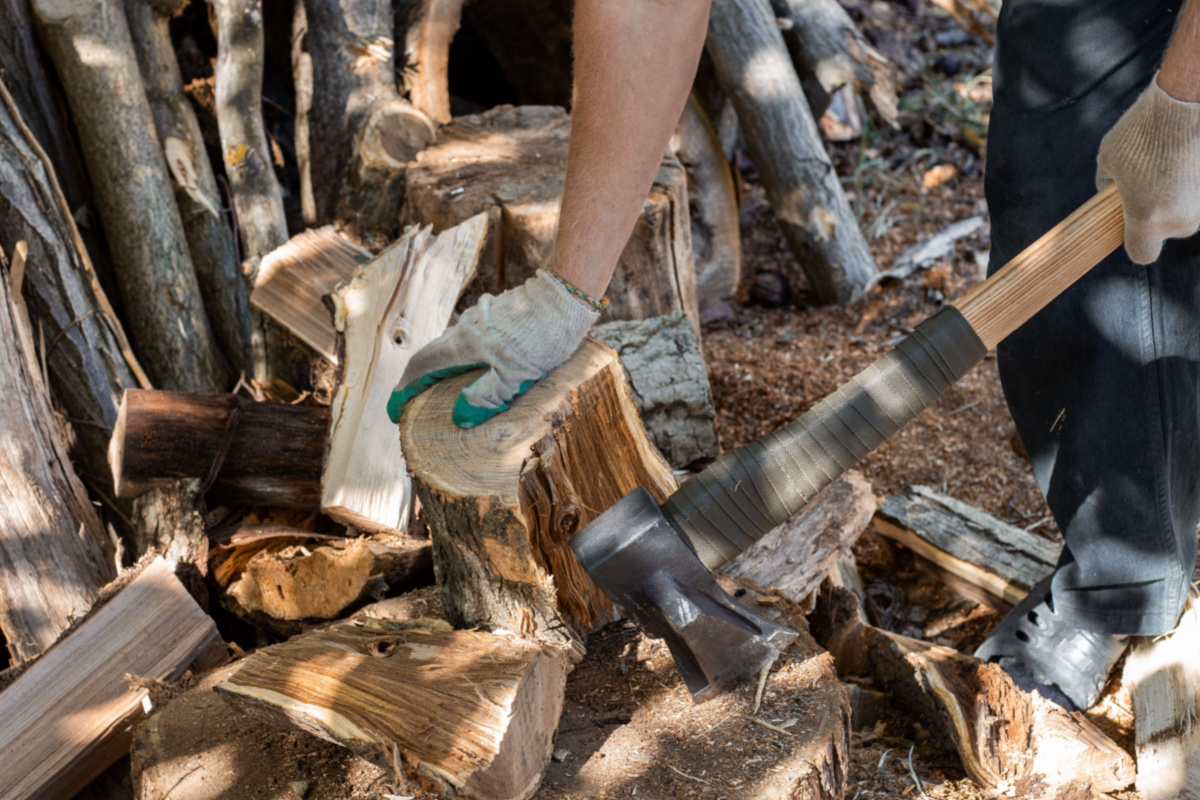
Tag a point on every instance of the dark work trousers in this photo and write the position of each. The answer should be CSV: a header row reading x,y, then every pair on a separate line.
x,y
1103,383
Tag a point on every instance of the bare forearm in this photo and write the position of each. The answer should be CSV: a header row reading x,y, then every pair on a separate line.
x,y
1180,74
635,61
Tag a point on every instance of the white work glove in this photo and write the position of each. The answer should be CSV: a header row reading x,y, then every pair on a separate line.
x,y
519,336
1153,154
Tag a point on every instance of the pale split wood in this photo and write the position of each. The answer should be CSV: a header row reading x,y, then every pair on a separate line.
x,y
1042,271
469,710
1163,676
1001,562
71,714
293,281
396,305
429,27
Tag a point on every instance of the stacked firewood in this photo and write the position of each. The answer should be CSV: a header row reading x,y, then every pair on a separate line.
x,y
207,358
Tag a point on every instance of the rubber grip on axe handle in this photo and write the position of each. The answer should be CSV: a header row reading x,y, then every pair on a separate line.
x,y
751,490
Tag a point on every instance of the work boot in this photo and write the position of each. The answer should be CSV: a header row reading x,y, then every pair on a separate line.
x,y
1041,650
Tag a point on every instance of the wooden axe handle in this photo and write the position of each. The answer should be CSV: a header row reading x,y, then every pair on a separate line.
x,y
1042,271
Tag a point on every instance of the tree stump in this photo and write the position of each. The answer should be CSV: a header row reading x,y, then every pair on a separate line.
x,y
509,163
504,499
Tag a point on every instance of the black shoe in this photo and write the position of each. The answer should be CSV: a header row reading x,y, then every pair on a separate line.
x,y
1041,650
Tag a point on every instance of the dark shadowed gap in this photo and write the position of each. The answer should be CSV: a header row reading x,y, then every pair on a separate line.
x,y
476,80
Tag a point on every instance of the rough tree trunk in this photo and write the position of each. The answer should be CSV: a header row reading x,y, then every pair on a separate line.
x,y
210,239
91,363
361,134
54,554
503,499
90,44
753,66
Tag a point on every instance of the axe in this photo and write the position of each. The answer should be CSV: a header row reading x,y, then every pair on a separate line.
x,y
656,562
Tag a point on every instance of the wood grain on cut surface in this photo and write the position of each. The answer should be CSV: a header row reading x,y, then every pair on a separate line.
x,y
72,713
396,305
1042,271
294,279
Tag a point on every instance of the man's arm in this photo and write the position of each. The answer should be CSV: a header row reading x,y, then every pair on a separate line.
x,y
1180,73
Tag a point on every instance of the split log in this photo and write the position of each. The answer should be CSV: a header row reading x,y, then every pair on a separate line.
x,y
70,715
831,53
1163,676
753,66
797,556
509,163
133,192
396,305
503,499
195,749
361,134
429,27
294,280
712,203
795,744
464,711
980,557
91,362
54,554
209,238
269,455
669,382
1008,740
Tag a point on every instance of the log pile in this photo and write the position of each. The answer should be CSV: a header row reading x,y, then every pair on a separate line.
x,y
280,226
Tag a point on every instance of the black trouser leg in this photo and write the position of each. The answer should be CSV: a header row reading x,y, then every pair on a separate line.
x,y
1103,384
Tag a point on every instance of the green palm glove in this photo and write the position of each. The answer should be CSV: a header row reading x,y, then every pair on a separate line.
x,y
518,337
1153,154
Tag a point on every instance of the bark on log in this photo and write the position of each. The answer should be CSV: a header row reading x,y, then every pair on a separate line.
x,y
168,521
666,374
977,555
396,305
209,237
797,556
754,68
1163,676
71,714
469,712
1008,740
830,52
428,27
509,163
133,191
91,362
361,134
272,456
294,280
54,554
712,203
503,499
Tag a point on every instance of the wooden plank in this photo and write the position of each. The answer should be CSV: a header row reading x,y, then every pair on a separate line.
x,y
396,305
293,281
72,714
1002,561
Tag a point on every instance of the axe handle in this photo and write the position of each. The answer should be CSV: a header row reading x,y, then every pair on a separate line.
x,y
751,490
1044,270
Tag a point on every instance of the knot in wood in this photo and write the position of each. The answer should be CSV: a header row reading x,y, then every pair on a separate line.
x,y
383,646
567,519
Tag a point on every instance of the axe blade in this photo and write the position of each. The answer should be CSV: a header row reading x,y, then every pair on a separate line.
x,y
638,558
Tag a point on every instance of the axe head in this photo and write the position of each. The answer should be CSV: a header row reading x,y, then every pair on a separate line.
x,y
634,553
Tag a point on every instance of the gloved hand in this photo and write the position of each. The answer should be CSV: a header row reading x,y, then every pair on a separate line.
x,y
520,336
1153,154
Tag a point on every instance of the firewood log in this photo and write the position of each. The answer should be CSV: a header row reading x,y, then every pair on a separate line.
x,y
503,499
754,68
397,304
429,26
467,712
54,554
270,456
509,163
91,363
361,134
209,237
133,192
